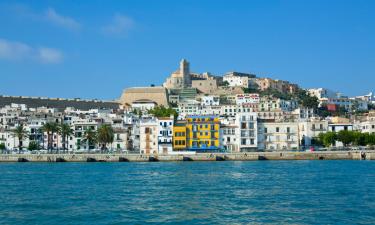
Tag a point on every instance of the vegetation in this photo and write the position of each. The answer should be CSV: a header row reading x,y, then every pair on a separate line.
x,y
306,100
355,138
302,96
33,145
65,131
328,139
50,128
90,137
323,112
345,136
225,83
275,93
105,135
21,134
2,147
161,111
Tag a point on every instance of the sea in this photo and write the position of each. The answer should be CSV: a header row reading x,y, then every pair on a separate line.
x,y
229,192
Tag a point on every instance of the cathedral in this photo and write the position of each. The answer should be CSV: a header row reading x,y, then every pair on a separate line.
x,y
181,78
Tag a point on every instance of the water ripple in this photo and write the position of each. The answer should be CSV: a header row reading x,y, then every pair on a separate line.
x,y
272,192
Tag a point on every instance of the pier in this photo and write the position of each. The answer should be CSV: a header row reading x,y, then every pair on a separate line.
x,y
248,156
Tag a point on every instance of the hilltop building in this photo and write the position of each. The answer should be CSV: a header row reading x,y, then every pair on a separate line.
x,y
181,78
147,95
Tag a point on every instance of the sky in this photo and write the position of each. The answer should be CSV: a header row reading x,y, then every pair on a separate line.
x,y
95,49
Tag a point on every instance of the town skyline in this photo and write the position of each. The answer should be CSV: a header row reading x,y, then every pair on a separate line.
x,y
136,44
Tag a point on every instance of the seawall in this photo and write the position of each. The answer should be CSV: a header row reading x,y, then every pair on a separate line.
x,y
249,156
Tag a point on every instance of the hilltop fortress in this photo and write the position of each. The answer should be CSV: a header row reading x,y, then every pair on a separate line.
x,y
184,85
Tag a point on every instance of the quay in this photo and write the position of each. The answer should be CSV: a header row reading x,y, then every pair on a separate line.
x,y
248,156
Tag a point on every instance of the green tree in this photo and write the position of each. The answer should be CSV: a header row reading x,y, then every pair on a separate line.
x,y
161,111
328,139
2,147
345,136
225,84
50,128
370,139
33,145
65,131
21,134
359,139
105,135
90,137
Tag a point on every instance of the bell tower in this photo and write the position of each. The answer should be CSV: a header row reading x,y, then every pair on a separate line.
x,y
185,72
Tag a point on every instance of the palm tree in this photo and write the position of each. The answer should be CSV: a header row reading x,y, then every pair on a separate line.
x,y
56,130
47,128
90,137
105,135
50,128
65,131
21,134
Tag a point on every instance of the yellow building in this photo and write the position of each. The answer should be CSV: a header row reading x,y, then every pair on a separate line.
x,y
202,133
179,136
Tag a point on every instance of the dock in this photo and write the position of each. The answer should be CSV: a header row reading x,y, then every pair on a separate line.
x,y
243,156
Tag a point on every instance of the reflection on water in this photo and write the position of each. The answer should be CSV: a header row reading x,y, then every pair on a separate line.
x,y
273,192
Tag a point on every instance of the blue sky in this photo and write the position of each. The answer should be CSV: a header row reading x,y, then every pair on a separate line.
x,y
95,49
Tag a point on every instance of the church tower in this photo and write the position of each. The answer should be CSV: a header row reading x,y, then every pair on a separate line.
x,y
185,72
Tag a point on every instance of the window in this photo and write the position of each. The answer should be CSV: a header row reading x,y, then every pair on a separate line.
x,y
265,130
243,141
288,129
277,129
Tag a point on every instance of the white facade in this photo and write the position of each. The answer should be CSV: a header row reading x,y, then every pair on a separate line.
x,y
165,135
236,81
143,105
229,136
322,93
210,100
278,136
242,99
247,131
148,136
309,131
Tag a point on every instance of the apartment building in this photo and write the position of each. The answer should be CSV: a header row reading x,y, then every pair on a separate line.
x,y
247,131
203,133
278,136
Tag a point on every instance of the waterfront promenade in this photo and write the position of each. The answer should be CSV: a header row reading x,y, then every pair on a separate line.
x,y
248,156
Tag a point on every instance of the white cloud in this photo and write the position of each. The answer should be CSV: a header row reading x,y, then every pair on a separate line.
x,y
52,16
49,15
121,25
49,55
11,50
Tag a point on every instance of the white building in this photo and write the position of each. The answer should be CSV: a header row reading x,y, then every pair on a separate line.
x,y
322,93
247,131
148,136
309,131
210,100
274,104
143,104
188,107
242,99
278,136
229,132
165,134
236,79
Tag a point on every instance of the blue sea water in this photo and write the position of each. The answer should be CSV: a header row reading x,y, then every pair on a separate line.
x,y
258,192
